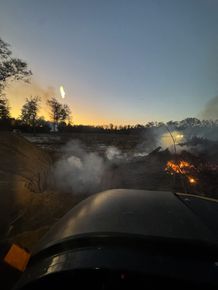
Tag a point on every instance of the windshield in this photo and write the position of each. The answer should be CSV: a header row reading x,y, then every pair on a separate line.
x,y
98,95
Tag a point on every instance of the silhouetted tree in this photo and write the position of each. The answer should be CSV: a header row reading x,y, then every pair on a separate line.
x,y
55,111
58,112
150,125
172,124
42,125
4,108
111,126
65,113
190,122
11,68
29,111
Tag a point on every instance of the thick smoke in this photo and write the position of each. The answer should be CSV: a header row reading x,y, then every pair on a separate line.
x,y
78,171
157,137
149,140
211,110
112,153
190,138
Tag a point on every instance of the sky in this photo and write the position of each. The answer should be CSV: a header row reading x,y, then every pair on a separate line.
x,y
120,61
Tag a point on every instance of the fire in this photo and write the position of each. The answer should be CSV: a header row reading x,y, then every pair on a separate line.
x,y
62,92
181,167
191,180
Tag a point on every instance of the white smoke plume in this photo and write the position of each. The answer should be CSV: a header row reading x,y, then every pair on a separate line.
x,y
112,153
78,171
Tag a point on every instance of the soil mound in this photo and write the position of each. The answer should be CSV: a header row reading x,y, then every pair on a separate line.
x,y
23,171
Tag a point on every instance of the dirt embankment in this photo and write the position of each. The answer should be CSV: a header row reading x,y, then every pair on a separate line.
x,y
28,205
27,209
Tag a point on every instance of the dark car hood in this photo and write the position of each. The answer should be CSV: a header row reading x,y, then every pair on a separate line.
x,y
150,232
139,212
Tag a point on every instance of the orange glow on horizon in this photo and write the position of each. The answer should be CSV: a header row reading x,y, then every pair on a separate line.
x,y
76,120
17,92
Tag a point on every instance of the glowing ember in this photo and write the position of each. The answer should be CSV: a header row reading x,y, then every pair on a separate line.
x,y
62,92
192,180
181,167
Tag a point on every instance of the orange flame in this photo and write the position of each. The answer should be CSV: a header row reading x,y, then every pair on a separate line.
x,y
181,167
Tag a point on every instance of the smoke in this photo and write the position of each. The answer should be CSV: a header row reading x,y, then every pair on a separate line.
x,y
82,171
178,139
149,140
17,92
113,153
155,137
23,90
211,110
78,171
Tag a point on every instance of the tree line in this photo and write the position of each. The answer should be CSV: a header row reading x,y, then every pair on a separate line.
x,y
59,113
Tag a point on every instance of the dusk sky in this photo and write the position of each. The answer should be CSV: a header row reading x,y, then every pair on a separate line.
x,y
121,62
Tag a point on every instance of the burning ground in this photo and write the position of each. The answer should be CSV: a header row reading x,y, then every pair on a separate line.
x,y
40,182
84,169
